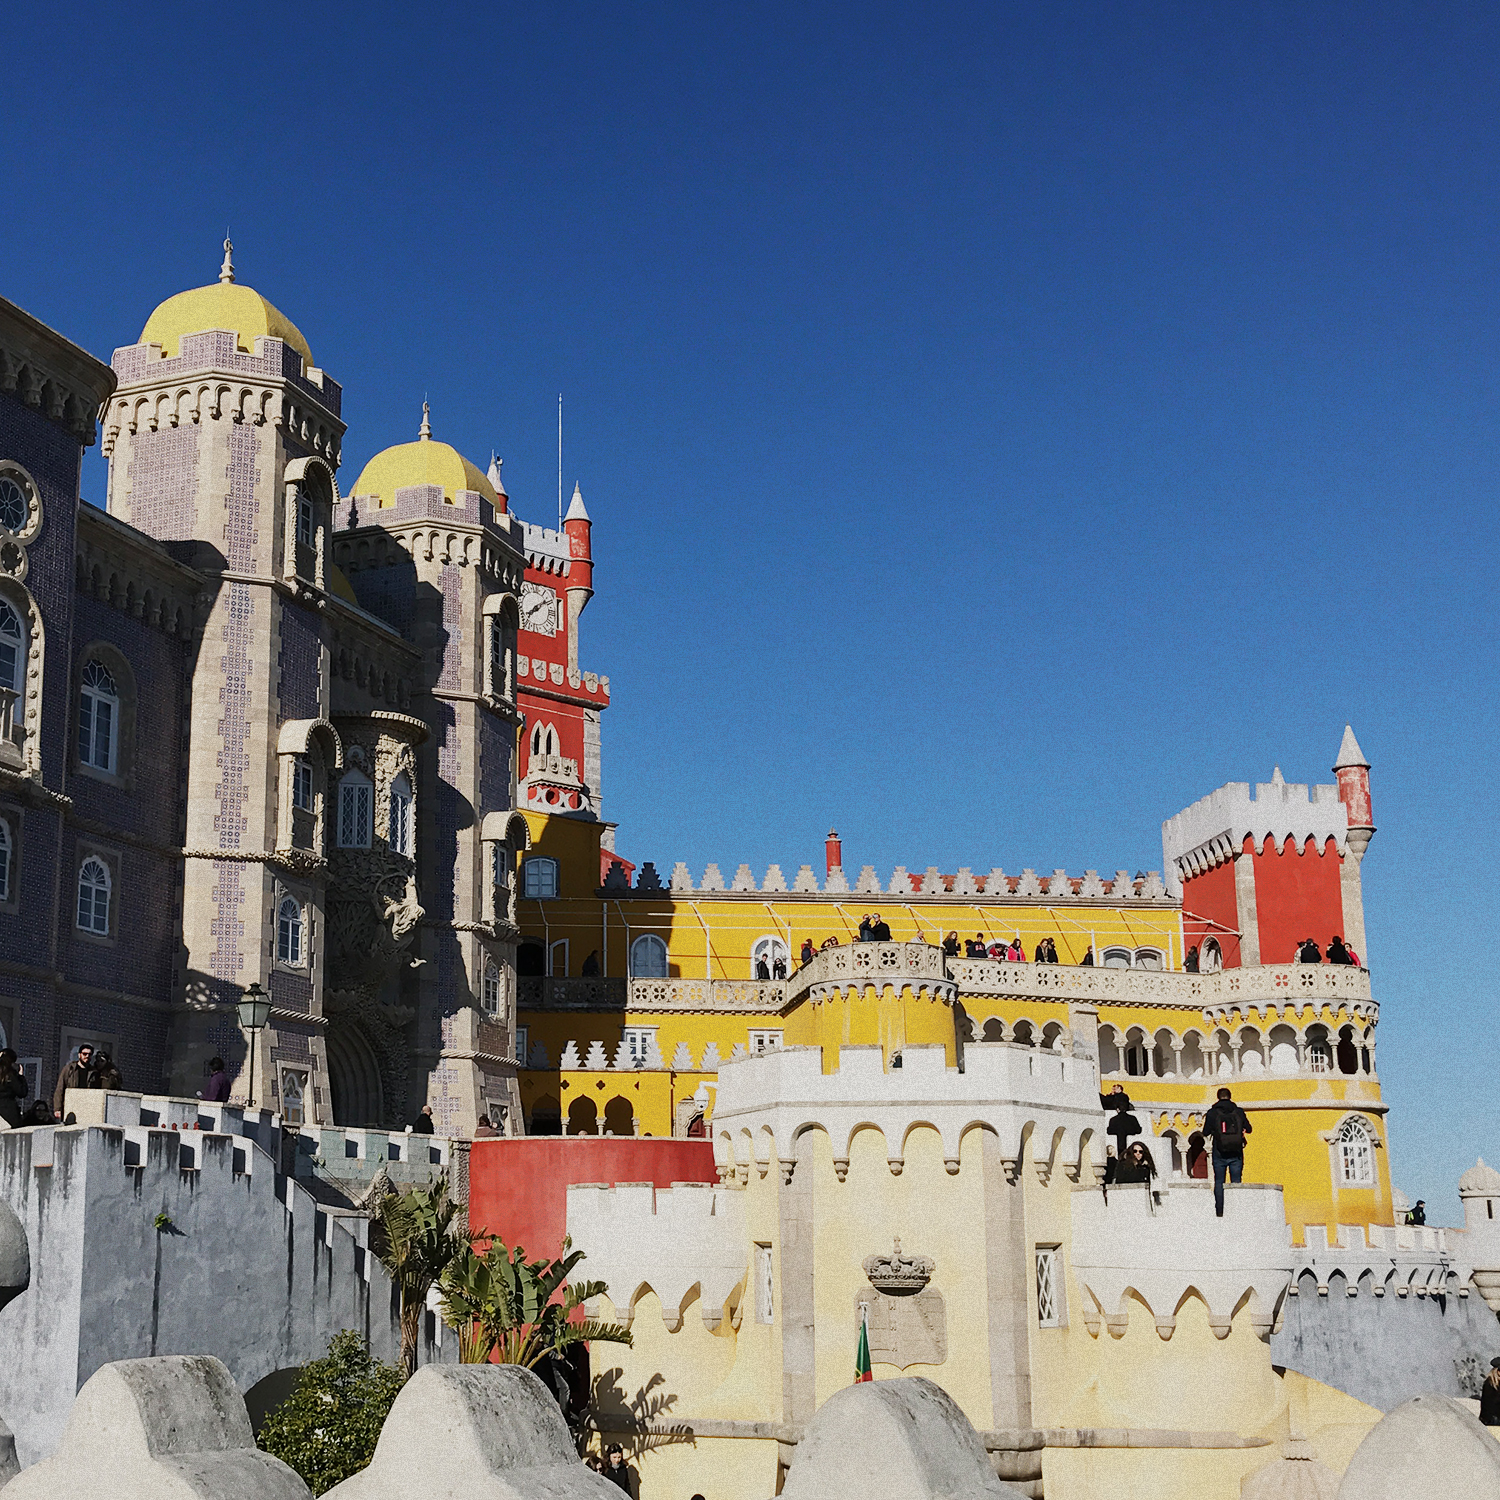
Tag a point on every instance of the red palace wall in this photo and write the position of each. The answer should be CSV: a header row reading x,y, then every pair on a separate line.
x,y
1209,910
518,1187
1297,895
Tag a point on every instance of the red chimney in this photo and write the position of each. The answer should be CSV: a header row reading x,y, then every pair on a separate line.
x,y
834,849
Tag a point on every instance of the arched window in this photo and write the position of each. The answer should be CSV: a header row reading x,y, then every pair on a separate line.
x,y
1355,1162
769,951
1117,958
289,931
648,957
5,858
13,507
356,798
93,896
540,879
1213,957
12,648
1148,958
402,839
491,998
98,717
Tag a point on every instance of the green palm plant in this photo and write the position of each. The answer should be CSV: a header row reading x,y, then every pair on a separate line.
x,y
518,1310
413,1236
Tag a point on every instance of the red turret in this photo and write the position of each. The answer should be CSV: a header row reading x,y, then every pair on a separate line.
x,y
1353,772
834,849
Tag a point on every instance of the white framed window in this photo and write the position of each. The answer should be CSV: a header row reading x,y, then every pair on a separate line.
x,y
289,932
637,1041
356,803
539,877
557,958
764,1041
93,896
523,1044
1117,958
401,831
5,860
1049,1287
490,992
302,784
765,1285
769,951
98,717
502,660
305,527
1355,1160
13,506
1148,958
648,957
12,648
293,1093
1319,1055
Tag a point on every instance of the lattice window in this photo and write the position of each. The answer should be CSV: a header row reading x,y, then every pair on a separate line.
x,y
289,931
12,648
1356,1154
491,993
5,859
305,525
765,1041
93,896
638,1041
98,716
302,784
356,800
13,507
1049,1301
401,831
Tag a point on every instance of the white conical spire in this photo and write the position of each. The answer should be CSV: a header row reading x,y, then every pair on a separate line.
x,y
1349,752
494,474
576,511
226,271
1276,777
424,432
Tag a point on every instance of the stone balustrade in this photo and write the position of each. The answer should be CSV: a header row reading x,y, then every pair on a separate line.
x,y
1261,987
1162,1245
853,965
758,996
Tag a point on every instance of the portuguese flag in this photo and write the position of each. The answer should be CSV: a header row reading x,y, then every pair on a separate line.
x,y
862,1370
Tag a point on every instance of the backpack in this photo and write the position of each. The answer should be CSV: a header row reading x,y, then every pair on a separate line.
x,y
1229,1132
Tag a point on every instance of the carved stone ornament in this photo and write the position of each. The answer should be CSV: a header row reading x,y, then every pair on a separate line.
x,y
897,1273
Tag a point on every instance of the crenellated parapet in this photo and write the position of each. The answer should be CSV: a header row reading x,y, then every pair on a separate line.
x,y
1042,1107
964,888
1166,1247
681,1242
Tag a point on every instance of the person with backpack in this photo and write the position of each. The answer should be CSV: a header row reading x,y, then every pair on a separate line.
x,y
1226,1126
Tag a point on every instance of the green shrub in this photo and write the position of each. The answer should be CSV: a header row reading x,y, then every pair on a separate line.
x,y
327,1428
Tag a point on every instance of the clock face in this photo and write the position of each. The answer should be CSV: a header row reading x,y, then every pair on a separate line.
x,y
538,609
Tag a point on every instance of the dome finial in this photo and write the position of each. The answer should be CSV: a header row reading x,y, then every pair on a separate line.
x,y
226,271
424,432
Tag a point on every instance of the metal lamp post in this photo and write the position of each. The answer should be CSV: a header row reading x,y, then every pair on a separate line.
x,y
255,1013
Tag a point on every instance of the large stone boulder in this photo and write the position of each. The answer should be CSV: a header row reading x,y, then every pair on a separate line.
x,y
173,1428
1430,1448
474,1432
893,1440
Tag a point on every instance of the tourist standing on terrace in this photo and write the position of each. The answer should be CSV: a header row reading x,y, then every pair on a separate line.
x,y
1226,1126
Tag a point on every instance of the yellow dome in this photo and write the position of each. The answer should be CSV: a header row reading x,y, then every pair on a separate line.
x,y
241,311
422,462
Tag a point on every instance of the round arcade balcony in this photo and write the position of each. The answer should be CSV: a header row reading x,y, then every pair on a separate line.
x,y
853,966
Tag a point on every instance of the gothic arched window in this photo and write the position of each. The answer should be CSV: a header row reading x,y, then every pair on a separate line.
x,y
12,648
98,717
93,896
402,840
289,932
648,957
1356,1153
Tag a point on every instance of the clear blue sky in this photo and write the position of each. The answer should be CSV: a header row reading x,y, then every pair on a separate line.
x,y
1002,424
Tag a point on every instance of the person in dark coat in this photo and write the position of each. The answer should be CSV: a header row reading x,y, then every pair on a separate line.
x,y
1136,1165
12,1088
1489,1396
105,1075
217,1091
1087,961
617,1471
880,932
1337,952
423,1125
1122,1123
1227,1127
1418,1214
74,1076
762,968
1197,1156
1190,963
41,1113
864,928
590,969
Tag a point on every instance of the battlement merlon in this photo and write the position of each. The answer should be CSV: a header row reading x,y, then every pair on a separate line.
x,y
1045,1102
1214,828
